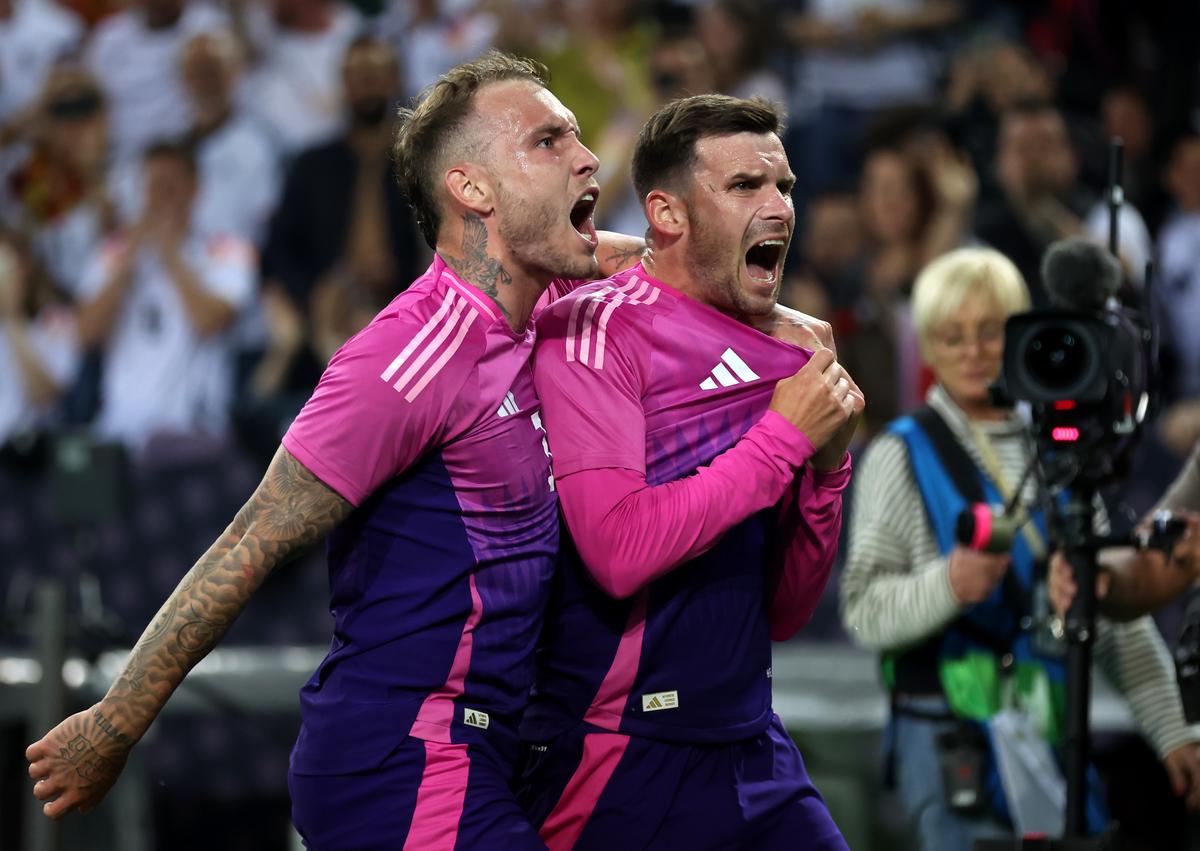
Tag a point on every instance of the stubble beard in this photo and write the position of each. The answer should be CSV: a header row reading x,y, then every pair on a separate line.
x,y
528,231
716,268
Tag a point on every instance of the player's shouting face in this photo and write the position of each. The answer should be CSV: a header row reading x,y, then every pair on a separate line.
x,y
740,220
545,188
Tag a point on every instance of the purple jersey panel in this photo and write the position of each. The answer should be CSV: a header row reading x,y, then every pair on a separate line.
x,y
427,422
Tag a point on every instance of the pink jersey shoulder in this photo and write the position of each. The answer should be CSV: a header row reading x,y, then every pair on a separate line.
x,y
581,325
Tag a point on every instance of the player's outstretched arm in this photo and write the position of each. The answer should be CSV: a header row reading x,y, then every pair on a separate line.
x,y
77,762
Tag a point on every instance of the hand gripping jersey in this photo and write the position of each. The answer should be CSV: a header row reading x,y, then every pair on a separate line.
x,y
635,375
428,423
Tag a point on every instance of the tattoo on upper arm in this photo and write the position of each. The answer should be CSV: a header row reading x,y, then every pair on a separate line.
x,y
475,266
290,510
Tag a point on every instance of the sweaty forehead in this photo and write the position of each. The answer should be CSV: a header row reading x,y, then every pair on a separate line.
x,y
513,108
739,152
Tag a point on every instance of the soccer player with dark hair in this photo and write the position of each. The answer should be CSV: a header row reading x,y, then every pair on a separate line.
x,y
700,466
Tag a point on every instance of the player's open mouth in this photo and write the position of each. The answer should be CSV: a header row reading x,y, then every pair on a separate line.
x,y
763,260
581,215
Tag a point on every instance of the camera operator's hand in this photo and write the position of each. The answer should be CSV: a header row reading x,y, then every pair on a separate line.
x,y
1185,555
974,575
1061,587
818,399
1183,767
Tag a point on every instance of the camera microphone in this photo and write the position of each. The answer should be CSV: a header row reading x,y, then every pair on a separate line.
x,y
980,527
1080,275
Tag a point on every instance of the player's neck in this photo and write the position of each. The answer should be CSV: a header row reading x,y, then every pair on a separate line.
x,y
669,267
465,248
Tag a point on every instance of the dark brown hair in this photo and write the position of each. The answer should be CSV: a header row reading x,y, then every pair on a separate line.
x,y
666,147
426,131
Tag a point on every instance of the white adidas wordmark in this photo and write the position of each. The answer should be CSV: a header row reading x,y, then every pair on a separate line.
x,y
508,407
722,377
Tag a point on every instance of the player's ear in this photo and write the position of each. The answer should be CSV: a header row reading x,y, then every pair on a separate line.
x,y
471,186
666,212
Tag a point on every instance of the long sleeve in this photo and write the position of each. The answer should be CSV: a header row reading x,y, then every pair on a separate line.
x,y
1135,660
895,587
810,521
629,533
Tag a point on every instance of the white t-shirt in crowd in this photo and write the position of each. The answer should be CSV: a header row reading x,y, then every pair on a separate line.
x,y
296,90
159,375
139,70
52,338
899,71
239,182
38,34
1133,237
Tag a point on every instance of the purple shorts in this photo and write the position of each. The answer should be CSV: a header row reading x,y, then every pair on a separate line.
x,y
590,789
426,795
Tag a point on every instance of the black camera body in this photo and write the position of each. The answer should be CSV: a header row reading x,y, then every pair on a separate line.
x,y
1085,374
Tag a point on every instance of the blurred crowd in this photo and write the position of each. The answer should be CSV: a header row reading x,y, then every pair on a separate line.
x,y
197,206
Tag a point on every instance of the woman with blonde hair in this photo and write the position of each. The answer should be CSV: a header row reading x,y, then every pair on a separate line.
x,y
965,653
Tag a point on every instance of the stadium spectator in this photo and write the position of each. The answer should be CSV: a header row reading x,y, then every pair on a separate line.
x,y
38,353
158,298
343,238
295,88
59,193
34,34
135,56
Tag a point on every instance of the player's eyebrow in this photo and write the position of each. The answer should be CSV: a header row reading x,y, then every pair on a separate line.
x,y
555,129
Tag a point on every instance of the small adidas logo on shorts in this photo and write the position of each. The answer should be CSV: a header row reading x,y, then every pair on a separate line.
x,y
660,700
721,376
475,718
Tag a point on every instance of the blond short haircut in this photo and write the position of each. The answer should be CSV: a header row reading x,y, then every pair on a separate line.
x,y
428,132
946,283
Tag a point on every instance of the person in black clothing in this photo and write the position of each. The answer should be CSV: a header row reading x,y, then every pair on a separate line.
x,y
343,240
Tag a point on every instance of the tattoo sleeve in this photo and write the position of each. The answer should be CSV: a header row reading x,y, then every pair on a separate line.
x,y
290,510
475,266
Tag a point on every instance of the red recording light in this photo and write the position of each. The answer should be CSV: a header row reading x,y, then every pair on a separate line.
x,y
1065,434
1064,405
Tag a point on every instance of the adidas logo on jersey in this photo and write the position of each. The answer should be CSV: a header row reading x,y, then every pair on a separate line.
x,y
475,718
660,700
721,376
508,407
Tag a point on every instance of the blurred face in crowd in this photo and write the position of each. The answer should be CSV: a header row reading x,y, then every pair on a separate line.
x,y
1183,174
542,176
169,189
740,221
208,65
1126,115
833,234
162,13
371,80
1010,74
966,351
1035,156
890,205
723,37
680,67
76,129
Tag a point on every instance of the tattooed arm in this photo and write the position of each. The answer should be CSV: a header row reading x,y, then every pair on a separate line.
x,y
618,251
78,761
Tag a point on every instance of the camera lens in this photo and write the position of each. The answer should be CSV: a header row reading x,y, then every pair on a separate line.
x,y
1058,358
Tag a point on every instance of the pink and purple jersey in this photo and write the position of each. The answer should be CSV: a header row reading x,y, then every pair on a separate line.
x,y
427,421
638,380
